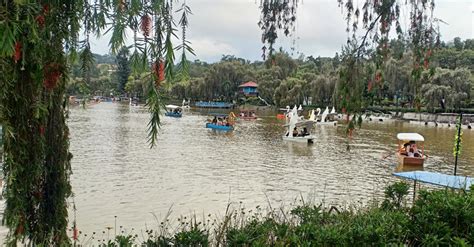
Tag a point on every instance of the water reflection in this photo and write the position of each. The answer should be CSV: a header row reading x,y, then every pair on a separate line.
x,y
198,170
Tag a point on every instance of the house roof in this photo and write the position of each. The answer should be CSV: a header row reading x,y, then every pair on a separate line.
x,y
249,84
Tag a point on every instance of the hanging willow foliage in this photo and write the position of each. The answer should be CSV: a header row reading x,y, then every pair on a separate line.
x,y
39,41
369,24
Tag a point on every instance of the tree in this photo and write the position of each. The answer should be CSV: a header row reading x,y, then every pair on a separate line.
x,y
40,40
458,45
123,68
452,85
469,44
377,19
268,80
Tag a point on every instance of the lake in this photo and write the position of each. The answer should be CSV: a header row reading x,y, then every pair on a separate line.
x,y
194,170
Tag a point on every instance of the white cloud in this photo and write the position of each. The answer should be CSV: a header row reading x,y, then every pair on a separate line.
x,y
211,50
230,27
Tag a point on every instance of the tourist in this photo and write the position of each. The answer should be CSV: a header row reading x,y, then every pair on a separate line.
x,y
305,132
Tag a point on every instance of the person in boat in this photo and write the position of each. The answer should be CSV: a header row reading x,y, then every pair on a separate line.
x,y
214,121
405,150
414,149
305,132
295,132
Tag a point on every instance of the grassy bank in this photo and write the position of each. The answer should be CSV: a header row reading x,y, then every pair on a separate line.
x,y
437,218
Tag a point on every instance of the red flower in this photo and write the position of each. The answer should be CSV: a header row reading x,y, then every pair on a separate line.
x,y
40,21
17,55
145,25
158,69
52,73
45,9
75,234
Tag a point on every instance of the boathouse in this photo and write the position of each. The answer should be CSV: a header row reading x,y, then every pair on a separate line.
x,y
249,89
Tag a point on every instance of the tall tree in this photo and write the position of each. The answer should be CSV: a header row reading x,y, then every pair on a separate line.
x,y
40,39
123,68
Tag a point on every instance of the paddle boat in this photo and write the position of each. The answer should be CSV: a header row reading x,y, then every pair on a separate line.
x,y
247,115
298,130
408,152
326,118
173,111
185,104
222,122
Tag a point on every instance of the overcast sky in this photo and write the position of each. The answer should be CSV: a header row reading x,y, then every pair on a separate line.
x,y
220,27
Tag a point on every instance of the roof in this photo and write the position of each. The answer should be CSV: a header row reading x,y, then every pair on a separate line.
x,y
455,182
249,84
410,137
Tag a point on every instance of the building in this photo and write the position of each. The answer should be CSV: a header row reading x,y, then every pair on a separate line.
x,y
249,89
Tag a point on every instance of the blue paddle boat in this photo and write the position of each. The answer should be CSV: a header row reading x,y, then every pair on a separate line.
x,y
173,111
219,127
222,122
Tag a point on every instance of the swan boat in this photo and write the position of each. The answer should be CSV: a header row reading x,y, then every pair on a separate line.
x,y
303,135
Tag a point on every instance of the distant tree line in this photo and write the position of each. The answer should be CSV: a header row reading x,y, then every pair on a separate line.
x,y
447,83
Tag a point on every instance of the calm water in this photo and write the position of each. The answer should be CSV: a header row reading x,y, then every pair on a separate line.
x,y
195,170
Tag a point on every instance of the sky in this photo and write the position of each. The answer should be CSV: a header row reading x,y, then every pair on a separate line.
x,y
229,27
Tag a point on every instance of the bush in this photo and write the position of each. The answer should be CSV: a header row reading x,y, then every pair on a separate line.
x,y
443,218
437,218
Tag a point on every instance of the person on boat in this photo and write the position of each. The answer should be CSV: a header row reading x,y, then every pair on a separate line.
x,y
295,132
414,149
305,132
214,121
406,149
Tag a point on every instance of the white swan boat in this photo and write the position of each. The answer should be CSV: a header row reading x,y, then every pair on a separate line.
x,y
298,130
326,118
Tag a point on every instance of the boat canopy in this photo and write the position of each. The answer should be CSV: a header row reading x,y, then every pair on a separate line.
x,y
455,182
172,107
410,137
